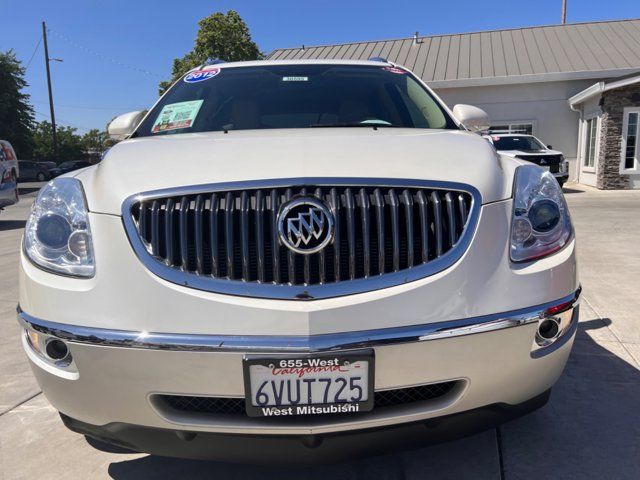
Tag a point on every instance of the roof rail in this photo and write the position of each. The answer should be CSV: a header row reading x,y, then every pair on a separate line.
x,y
378,59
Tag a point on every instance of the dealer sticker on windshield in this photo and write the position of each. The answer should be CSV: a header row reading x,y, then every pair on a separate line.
x,y
177,115
201,75
309,385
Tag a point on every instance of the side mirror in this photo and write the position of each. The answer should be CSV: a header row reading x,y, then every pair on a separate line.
x,y
124,125
549,147
473,118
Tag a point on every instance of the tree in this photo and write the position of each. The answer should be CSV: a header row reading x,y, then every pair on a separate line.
x,y
93,142
222,36
16,114
70,146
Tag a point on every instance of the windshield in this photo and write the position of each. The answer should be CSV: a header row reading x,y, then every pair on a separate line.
x,y
524,143
294,96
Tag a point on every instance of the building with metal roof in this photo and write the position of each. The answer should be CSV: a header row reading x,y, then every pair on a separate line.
x,y
522,77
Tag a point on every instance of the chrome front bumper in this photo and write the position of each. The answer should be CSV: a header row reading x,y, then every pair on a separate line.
x,y
115,374
300,344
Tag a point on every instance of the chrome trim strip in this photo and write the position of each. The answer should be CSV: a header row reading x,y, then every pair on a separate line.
x,y
297,344
301,292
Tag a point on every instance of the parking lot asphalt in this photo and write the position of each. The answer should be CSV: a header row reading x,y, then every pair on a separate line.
x,y
589,429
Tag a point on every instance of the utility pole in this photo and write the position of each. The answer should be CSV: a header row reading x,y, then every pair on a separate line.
x,y
564,11
53,115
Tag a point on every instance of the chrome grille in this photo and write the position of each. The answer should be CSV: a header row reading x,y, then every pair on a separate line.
x,y
229,235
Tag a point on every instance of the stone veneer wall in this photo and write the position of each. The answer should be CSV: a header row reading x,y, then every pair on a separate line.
x,y
613,104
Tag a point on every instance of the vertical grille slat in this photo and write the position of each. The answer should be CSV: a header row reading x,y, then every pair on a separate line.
x,y
232,235
395,229
168,232
275,241
306,259
291,256
184,234
142,222
351,231
229,207
379,203
408,210
335,210
214,204
199,234
462,209
244,234
155,228
437,221
260,234
451,219
322,272
424,225
364,205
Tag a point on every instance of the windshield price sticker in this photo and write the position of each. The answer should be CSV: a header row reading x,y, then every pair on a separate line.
x,y
309,385
175,116
201,75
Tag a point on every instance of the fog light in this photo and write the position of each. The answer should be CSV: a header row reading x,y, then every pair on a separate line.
x,y
56,350
548,331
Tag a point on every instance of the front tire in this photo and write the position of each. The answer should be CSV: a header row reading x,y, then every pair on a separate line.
x,y
41,177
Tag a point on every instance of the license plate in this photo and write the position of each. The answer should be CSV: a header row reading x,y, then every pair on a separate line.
x,y
545,167
309,385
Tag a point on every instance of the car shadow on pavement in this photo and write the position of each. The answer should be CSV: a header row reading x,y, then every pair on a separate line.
x,y
571,190
589,429
27,190
6,225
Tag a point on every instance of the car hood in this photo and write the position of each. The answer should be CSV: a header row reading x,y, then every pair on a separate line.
x,y
151,163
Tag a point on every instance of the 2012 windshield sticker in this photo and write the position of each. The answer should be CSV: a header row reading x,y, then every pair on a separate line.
x,y
177,115
201,75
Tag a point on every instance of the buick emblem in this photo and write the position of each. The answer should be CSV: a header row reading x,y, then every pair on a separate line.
x,y
305,225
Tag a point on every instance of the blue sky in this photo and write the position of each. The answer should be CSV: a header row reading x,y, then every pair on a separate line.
x,y
116,51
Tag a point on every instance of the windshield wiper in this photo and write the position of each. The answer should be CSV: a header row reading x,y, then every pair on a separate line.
x,y
375,126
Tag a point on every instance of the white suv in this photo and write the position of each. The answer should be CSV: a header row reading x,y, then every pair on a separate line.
x,y
298,261
529,148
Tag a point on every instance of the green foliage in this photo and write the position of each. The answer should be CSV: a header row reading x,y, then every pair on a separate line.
x,y
93,142
16,115
220,36
70,145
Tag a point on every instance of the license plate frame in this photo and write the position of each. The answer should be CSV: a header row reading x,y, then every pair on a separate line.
x,y
348,356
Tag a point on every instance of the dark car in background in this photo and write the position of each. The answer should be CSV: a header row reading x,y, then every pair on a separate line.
x,y
33,171
69,166
529,148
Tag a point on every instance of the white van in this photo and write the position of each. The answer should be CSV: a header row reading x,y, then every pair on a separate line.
x,y
8,175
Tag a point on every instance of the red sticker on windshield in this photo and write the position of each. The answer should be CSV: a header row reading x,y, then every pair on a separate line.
x,y
394,70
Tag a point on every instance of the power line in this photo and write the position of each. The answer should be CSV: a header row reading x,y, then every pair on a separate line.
x,y
102,56
34,53
68,124
84,107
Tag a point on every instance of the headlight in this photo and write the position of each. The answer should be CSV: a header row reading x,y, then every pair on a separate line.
x,y
541,224
57,236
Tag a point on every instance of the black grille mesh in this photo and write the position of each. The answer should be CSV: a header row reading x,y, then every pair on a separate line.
x,y
236,406
233,234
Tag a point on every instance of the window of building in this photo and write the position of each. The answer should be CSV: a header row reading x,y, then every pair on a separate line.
x,y
590,137
524,128
630,139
